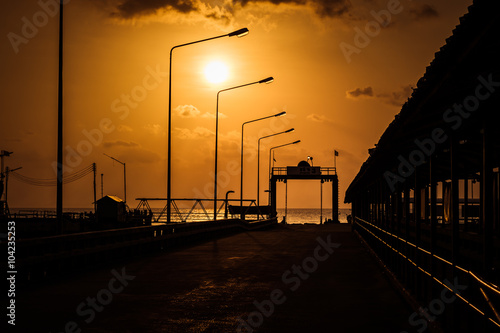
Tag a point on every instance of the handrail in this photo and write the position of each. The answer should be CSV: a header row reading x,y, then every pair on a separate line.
x,y
486,284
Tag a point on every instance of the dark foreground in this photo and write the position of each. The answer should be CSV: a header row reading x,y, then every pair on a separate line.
x,y
281,280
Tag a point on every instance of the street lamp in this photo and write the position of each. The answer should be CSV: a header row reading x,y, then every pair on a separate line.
x,y
124,177
266,80
283,113
226,201
238,33
271,203
258,159
276,147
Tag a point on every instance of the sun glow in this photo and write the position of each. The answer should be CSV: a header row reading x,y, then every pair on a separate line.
x,y
216,72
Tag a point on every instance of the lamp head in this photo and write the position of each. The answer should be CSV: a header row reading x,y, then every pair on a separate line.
x,y
239,33
296,142
283,113
267,80
290,130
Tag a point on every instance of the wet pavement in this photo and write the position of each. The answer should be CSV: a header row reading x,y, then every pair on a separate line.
x,y
291,278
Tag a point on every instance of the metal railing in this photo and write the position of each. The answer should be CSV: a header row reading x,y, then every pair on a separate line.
x,y
282,171
37,258
483,301
195,211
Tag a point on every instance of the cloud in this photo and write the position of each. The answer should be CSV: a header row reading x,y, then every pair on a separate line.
x,y
423,12
197,133
125,128
140,155
360,92
187,111
119,143
398,97
155,129
318,118
220,11
212,115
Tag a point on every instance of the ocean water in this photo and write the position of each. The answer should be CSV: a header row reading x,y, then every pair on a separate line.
x,y
311,215
293,215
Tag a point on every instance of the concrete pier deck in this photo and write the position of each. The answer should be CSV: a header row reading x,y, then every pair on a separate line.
x,y
318,278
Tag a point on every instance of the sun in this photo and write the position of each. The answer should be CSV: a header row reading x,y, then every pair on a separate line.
x,y
216,72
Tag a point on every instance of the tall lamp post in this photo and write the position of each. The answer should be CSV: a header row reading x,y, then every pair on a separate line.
x,y
258,159
266,80
273,203
238,33
276,147
226,201
241,160
124,176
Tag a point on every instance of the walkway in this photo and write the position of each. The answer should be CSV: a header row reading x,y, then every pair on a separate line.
x,y
207,287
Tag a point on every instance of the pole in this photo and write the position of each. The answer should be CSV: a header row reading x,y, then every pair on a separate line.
x,y
59,195
266,80
241,172
258,159
95,194
241,158
216,145
125,182
286,200
238,33
258,175
169,138
102,185
321,202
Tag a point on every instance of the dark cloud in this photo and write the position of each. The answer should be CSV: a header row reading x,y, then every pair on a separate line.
x,y
398,97
129,9
360,92
133,8
119,143
423,12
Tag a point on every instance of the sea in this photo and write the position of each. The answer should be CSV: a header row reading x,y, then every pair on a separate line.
x,y
311,215
293,215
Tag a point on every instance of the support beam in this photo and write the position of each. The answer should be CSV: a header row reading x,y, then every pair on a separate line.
x,y
487,199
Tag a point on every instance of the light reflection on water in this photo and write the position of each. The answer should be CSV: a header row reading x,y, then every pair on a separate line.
x,y
312,215
294,215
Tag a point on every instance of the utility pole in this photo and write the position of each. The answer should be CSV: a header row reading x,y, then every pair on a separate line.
x,y
124,177
4,210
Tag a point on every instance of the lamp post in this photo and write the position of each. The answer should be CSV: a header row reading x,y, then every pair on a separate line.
x,y
273,202
124,177
258,159
266,80
241,160
238,33
276,147
225,211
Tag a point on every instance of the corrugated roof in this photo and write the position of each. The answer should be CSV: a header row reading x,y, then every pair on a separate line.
x,y
472,50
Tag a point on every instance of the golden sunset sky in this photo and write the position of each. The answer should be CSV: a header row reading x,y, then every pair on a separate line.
x,y
342,71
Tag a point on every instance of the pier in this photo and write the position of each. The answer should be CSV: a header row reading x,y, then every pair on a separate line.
x,y
324,277
421,251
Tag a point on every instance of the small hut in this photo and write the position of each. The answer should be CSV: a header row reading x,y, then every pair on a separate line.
x,y
111,210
